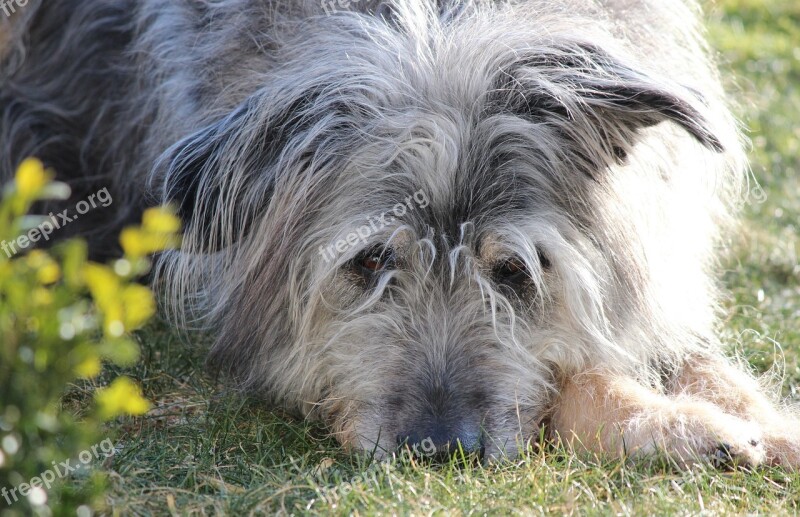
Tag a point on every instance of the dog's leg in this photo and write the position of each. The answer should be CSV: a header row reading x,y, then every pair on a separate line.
x,y
611,414
736,392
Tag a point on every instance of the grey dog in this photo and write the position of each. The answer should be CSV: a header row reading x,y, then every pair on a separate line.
x,y
459,222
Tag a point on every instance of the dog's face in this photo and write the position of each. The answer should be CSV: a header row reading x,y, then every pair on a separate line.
x,y
414,259
438,323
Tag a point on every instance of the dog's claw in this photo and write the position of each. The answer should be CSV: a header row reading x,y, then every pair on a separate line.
x,y
727,457
722,456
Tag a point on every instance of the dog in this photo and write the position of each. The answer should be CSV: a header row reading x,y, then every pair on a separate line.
x,y
460,223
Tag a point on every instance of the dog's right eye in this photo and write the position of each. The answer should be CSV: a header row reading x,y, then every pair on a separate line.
x,y
512,271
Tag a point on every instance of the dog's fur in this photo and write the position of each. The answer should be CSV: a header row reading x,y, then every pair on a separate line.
x,y
578,165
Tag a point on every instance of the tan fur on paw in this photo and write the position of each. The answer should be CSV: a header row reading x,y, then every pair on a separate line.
x,y
726,442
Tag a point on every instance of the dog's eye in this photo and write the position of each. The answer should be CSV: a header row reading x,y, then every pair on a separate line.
x,y
372,263
376,260
543,260
512,270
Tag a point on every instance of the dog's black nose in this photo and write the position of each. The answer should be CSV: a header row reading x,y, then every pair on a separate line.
x,y
441,442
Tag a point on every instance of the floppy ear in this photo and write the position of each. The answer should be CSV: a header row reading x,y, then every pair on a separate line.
x,y
222,176
597,99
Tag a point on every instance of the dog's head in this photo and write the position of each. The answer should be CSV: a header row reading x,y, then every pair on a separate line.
x,y
416,244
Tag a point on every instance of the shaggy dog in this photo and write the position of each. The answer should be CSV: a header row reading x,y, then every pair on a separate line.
x,y
453,222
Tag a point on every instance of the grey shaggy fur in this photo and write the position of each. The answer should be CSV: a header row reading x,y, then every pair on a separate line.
x,y
586,143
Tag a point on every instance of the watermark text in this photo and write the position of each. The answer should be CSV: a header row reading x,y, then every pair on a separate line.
x,y
54,222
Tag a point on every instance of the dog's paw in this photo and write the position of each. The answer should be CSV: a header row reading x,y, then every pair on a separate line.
x,y
731,443
728,456
701,434
782,443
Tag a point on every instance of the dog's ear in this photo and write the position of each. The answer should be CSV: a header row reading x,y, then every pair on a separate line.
x,y
598,99
222,176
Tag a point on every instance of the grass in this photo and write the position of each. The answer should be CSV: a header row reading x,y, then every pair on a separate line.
x,y
205,451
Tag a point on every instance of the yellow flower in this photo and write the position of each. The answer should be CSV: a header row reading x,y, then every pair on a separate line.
x,y
49,274
139,305
31,178
160,220
102,283
37,258
89,367
159,231
137,242
125,308
42,296
134,242
47,270
122,397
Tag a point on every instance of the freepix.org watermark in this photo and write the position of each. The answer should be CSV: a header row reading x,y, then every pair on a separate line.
x,y
45,229
374,225
332,6
424,449
34,489
9,7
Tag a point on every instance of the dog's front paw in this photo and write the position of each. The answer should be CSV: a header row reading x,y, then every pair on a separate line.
x,y
726,442
727,456
782,442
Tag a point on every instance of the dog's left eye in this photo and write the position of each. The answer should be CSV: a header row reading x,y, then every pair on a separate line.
x,y
376,260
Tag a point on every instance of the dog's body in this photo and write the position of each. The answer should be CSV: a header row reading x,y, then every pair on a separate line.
x,y
558,174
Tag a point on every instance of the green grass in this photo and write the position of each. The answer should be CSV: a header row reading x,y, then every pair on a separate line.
x,y
761,42
205,451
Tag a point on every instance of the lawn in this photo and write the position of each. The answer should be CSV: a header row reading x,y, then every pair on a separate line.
x,y
203,450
